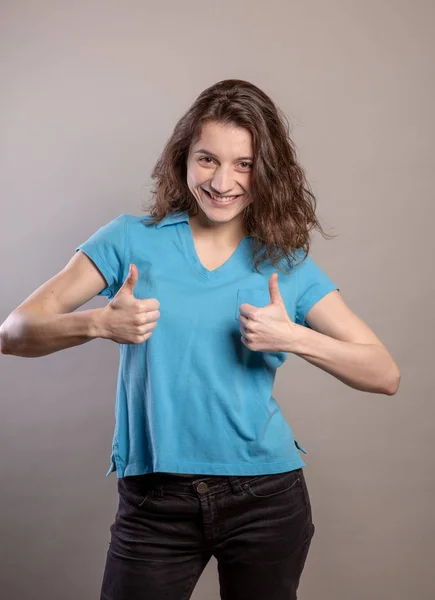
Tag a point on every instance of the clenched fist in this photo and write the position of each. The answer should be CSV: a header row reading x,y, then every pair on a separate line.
x,y
127,320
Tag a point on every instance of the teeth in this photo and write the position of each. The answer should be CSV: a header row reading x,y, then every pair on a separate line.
x,y
223,198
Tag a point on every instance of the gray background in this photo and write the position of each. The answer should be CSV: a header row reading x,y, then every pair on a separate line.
x,y
90,93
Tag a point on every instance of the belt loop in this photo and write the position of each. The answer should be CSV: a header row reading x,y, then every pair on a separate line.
x,y
235,484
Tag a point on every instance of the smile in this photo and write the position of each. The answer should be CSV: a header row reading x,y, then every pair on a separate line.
x,y
221,199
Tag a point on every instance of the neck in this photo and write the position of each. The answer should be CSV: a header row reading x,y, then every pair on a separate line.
x,y
218,234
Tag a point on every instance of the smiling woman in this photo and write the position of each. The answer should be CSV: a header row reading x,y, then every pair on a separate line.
x,y
206,461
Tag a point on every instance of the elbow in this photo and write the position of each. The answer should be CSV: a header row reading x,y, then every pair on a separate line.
x,y
10,332
3,348
393,383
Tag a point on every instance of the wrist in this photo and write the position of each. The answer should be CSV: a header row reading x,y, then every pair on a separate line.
x,y
96,327
296,337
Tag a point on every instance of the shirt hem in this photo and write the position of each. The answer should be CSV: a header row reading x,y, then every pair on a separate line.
x,y
209,469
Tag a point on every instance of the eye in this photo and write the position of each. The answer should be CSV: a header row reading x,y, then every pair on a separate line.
x,y
244,164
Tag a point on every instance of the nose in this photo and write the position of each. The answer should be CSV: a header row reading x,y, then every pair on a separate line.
x,y
221,183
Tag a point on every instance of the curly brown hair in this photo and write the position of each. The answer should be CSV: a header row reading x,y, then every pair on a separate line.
x,y
282,213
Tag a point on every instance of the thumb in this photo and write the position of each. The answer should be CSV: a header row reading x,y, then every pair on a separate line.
x,y
274,291
130,280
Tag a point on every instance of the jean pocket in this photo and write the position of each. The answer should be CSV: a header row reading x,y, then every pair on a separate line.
x,y
267,486
258,297
134,489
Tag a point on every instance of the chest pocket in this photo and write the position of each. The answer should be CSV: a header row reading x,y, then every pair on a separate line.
x,y
260,298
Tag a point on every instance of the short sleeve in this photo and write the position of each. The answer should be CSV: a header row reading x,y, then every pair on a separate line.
x,y
313,285
106,248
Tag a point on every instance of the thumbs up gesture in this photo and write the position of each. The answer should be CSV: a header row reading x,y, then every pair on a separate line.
x,y
268,329
127,320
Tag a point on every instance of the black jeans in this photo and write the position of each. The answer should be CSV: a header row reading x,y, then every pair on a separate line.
x,y
166,529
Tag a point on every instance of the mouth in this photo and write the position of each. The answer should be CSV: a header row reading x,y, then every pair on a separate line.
x,y
221,200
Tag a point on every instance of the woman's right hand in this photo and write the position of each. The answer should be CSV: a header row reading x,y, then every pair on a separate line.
x,y
127,320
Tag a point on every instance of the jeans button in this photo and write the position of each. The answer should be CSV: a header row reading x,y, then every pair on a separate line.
x,y
201,487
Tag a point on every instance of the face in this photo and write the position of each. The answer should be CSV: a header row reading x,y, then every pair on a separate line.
x,y
219,167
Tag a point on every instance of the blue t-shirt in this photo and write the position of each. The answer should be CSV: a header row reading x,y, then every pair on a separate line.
x,y
193,398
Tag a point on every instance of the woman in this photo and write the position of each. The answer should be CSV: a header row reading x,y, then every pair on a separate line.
x,y
206,463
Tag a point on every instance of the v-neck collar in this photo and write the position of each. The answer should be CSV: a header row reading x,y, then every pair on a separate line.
x,y
187,236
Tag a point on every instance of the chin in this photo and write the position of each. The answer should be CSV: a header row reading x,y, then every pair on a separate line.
x,y
222,214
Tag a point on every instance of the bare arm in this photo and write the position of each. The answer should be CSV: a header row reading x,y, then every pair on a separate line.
x,y
31,333
45,322
342,344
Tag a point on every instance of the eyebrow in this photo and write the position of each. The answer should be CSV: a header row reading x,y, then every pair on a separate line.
x,y
203,151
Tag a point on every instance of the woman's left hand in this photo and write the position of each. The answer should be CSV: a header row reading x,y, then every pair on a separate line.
x,y
268,329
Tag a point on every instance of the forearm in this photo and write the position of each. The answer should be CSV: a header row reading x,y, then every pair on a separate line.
x,y
365,367
30,333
